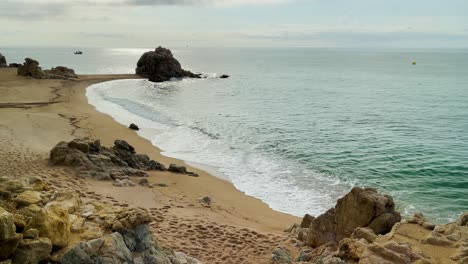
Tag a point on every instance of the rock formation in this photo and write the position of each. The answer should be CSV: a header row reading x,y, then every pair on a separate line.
x,y
31,68
3,62
353,232
160,65
64,229
61,72
134,127
117,163
362,207
14,65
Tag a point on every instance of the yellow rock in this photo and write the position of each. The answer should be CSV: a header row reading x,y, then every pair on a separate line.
x,y
52,222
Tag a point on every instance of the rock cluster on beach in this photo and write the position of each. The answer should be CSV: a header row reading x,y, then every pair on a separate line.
x,y
3,62
116,163
361,228
160,65
31,68
39,225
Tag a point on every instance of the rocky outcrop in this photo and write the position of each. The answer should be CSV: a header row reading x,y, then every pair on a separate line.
x,y
362,207
3,62
64,229
160,65
31,68
118,163
61,72
14,65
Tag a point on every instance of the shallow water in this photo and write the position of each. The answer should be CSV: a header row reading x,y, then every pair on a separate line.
x,y
298,128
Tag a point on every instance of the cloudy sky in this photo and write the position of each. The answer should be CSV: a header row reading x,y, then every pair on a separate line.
x,y
259,23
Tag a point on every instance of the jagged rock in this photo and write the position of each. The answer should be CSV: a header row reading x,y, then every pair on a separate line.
x,y
362,207
184,259
307,220
143,182
417,218
389,253
31,68
134,127
131,218
9,240
351,250
61,72
364,233
3,62
435,238
463,219
69,199
123,183
52,222
28,197
30,210
281,256
20,221
32,251
96,161
160,65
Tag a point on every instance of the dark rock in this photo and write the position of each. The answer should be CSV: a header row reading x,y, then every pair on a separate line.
x,y
31,68
103,163
33,251
61,72
134,127
3,62
224,76
160,65
177,169
14,65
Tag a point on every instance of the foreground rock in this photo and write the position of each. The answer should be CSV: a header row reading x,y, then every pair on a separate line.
x,y
31,68
160,65
3,62
64,229
362,207
117,163
364,228
132,126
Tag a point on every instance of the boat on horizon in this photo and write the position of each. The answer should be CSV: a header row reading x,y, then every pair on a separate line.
x,y
78,52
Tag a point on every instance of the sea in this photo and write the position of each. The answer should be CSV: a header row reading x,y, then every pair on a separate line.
x,y
299,127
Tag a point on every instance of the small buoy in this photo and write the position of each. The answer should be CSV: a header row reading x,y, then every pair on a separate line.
x,y
414,63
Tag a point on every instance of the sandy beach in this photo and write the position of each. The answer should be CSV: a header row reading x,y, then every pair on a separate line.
x,y
36,114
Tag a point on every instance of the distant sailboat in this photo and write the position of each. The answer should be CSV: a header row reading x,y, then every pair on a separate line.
x,y
78,52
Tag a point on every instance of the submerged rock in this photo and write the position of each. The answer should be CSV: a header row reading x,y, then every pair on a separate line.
x,y
160,65
224,76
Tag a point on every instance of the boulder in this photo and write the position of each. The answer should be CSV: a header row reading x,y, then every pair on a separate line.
x,y
205,201
306,221
28,197
281,256
3,62
9,240
52,222
362,207
134,127
177,169
32,251
160,65
61,72
364,233
68,199
31,68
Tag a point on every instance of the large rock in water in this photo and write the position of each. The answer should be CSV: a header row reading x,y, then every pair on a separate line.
x,y
3,62
160,65
31,68
362,207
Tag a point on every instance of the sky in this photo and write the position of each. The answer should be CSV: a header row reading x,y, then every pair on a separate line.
x,y
235,23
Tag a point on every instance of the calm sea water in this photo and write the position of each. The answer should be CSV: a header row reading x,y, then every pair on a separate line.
x,y
298,128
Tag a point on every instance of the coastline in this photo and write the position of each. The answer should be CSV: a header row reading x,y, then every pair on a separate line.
x,y
36,114
66,114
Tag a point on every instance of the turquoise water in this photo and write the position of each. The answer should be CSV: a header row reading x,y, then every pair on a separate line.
x,y
298,128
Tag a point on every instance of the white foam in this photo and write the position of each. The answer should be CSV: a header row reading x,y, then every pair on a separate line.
x,y
285,185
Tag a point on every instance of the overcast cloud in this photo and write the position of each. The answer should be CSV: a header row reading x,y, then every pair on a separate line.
x,y
145,23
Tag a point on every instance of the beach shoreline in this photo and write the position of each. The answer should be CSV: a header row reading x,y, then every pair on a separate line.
x,y
65,114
